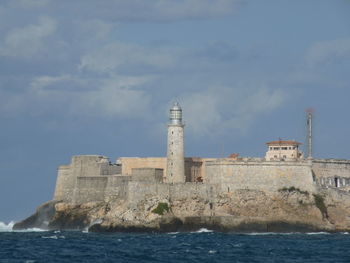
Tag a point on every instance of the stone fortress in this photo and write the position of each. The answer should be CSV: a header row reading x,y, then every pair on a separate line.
x,y
90,178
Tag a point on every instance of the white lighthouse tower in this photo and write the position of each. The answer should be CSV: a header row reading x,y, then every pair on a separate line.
x,y
175,154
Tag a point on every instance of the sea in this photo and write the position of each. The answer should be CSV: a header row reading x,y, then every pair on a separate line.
x,y
35,245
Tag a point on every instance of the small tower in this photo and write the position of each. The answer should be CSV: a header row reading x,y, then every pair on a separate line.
x,y
309,113
175,153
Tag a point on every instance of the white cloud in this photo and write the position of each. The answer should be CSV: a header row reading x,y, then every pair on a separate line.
x,y
95,28
113,97
117,98
223,110
115,56
329,51
29,40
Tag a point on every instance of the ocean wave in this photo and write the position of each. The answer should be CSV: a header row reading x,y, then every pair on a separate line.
x,y
203,230
288,233
6,227
9,228
318,233
54,237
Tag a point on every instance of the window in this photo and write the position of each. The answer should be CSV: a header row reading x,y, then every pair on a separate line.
x,y
284,156
336,182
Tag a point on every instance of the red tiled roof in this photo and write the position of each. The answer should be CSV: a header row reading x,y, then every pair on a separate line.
x,y
280,142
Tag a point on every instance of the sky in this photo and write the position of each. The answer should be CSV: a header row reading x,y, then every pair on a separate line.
x,y
98,77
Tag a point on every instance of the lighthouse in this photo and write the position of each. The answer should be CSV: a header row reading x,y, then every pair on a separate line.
x,y
175,152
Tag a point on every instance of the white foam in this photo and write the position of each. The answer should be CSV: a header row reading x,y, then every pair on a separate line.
x,y
173,233
51,237
290,233
269,233
9,228
203,230
318,233
6,227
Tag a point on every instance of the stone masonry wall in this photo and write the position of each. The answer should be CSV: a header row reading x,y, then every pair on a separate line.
x,y
65,184
332,173
117,187
90,189
128,163
90,165
147,174
266,176
139,191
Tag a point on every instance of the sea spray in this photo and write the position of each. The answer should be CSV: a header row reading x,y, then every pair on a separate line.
x,y
9,228
6,227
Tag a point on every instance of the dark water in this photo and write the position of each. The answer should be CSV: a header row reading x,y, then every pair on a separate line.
x,y
176,247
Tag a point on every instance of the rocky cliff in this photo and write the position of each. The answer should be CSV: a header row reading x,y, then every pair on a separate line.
x,y
286,210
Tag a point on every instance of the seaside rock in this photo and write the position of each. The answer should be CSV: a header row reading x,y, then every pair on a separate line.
x,y
240,211
40,219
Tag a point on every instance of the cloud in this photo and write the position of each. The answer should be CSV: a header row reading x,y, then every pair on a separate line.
x,y
329,52
118,56
29,40
115,97
150,10
220,110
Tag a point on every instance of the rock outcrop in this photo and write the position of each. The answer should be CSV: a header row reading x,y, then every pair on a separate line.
x,y
288,210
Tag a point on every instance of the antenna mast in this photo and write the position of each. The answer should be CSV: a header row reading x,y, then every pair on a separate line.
x,y
309,113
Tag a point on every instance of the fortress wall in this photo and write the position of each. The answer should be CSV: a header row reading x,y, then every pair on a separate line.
x,y
266,176
90,189
332,173
147,174
191,190
194,166
331,168
139,191
90,165
117,187
114,169
142,190
65,184
128,163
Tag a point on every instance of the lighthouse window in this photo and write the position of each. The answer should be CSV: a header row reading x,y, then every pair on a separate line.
x,y
172,132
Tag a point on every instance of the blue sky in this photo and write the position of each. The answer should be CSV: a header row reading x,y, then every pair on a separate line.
x,y
98,77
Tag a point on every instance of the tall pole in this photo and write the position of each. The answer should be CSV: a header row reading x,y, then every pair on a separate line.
x,y
309,125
